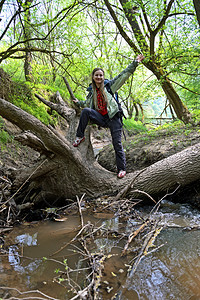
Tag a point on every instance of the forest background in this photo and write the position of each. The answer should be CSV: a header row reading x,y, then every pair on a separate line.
x,y
42,41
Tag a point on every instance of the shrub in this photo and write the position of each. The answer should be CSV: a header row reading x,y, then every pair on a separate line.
x,y
4,137
134,127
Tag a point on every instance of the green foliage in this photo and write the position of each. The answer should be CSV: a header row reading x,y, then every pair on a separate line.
x,y
171,128
1,122
196,116
13,67
23,97
134,127
4,137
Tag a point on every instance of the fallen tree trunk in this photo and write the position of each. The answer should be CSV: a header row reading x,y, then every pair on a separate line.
x,y
66,172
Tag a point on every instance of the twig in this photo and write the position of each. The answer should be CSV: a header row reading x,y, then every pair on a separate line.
x,y
23,184
145,246
69,88
83,292
28,292
79,208
8,216
4,179
80,231
144,193
168,194
125,190
132,236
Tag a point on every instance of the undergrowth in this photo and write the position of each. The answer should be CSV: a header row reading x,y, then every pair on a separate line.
x,y
134,127
5,137
141,133
22,94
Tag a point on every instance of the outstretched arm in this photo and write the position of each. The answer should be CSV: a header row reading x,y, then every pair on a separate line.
x,y
119,80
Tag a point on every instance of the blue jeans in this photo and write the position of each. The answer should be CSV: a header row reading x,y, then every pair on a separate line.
x,y
113,124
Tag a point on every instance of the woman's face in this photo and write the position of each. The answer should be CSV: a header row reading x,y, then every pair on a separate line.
x,y
98,77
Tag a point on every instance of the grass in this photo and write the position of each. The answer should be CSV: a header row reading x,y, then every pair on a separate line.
x,y
145,135
134,127
4,137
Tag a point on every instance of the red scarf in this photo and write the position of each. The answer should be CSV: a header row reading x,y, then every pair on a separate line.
x,y
101,103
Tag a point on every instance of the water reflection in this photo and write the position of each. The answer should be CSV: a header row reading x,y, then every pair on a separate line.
x,y
15,261
175,215
27,239
105,245
172,272
14,255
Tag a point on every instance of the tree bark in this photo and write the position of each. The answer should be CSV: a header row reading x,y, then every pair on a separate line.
x,y
136,111
180,109
65,172
197,9
1,4
27,36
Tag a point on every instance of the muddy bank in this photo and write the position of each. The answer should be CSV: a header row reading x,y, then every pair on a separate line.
x,y
142,150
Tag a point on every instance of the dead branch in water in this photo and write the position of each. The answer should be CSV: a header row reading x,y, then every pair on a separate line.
x,y
133,235
133,239
27,294
95,259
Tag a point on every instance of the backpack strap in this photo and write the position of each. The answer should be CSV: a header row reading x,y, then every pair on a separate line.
x,y
89,88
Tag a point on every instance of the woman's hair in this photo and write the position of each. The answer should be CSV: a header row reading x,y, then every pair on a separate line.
x,y
101,87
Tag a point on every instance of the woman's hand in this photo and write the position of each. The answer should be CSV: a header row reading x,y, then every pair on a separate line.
x,y
140,57
75,100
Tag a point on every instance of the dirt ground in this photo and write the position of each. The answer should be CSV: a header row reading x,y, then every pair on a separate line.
x,y
146,149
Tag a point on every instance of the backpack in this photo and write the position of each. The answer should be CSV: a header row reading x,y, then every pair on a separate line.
x,y
115,96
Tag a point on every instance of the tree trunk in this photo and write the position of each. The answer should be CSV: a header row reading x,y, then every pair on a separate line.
x,y
197,9
136,112
1,4
66,172
27,36
180,109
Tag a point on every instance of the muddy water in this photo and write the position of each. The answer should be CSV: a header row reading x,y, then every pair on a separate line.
x,y
36,253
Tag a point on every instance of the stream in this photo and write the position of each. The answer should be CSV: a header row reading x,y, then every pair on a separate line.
x,y
36,249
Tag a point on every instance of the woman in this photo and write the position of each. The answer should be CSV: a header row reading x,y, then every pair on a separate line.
x,y
102,109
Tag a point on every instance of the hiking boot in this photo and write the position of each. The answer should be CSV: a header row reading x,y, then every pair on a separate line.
x,y
78,140
121,174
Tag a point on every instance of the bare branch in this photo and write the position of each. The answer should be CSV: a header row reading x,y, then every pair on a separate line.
x,y
130,15
184,87
10,51
28,292
69,88
165,16
120,28
18,12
